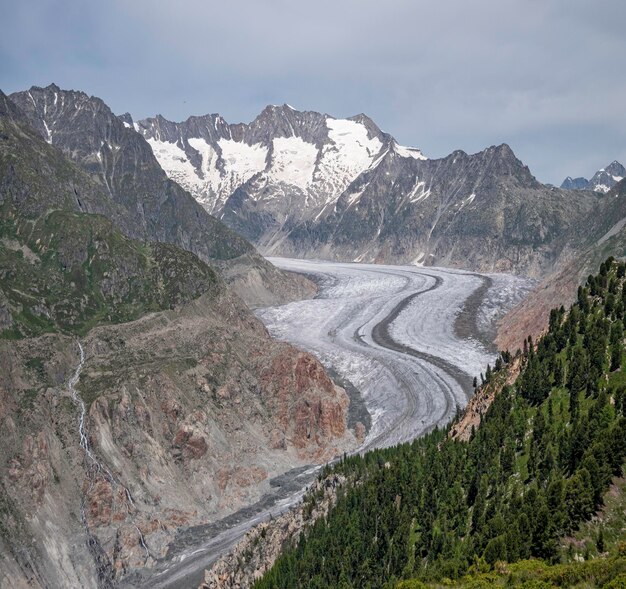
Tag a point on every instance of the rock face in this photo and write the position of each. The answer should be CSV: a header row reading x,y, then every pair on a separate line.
x,y
147,204
181,410
303,158
602,181
191,412
308,185
482,211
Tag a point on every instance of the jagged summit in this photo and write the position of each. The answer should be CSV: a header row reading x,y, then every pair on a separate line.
x,y
302,183
575,183
307,184
306,156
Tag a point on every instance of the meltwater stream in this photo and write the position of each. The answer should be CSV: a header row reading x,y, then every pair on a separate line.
x,y
95,468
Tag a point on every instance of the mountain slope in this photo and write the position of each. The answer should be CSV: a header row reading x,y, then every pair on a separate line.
x,y
483,211
585,246
315,156
121,162
539,464
179,409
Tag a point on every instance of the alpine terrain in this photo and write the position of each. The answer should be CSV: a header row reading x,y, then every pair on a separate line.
x,y
145,203
602,181
139,396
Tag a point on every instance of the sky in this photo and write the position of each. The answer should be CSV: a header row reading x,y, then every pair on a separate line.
x,y
548,77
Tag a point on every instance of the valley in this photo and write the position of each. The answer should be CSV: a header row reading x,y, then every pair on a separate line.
x,y
408,339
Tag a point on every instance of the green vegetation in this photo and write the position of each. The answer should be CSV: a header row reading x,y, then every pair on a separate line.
x,y
609,573
440,511
68,272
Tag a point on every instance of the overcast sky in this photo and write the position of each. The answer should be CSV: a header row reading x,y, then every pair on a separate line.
x,y
546,76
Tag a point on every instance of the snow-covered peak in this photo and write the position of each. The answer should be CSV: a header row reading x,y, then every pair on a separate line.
x,y
602,181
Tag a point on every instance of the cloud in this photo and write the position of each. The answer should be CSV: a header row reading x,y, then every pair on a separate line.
x,y
545,76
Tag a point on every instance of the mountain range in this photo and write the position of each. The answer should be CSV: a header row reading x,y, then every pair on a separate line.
x,y
141,200
306,184
354,194
127,254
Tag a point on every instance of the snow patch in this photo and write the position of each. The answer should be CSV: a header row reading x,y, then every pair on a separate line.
x,y
467,201
419,261
349,153
355,196
293,161
419,192
210,185
49,133
413,152
175,162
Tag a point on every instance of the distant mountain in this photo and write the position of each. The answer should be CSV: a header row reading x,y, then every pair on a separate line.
x,y
602,181
575,183
308,157
310,185
148,204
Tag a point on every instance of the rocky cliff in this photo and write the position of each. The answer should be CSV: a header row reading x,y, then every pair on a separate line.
x,y
189,413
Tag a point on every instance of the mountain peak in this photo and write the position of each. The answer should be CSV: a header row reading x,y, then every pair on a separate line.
x,y
616,169
273,109
127,119
504,149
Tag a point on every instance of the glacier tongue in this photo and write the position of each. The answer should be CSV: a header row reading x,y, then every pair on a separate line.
x,y
417,381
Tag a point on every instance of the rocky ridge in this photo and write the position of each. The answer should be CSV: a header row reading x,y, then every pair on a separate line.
x,y
602,181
